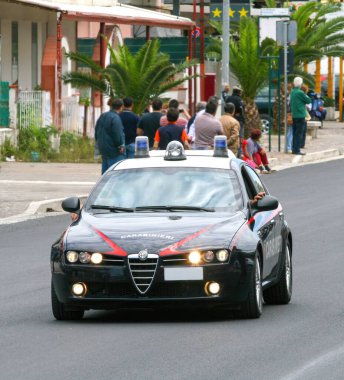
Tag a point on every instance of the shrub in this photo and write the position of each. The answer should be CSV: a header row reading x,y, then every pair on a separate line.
x,y
7,149
328,102
74,148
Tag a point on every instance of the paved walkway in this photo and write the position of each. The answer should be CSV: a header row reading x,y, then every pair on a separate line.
x,y
27,189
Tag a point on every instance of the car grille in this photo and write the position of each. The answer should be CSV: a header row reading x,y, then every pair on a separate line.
x,y
160,290
143,271
178,290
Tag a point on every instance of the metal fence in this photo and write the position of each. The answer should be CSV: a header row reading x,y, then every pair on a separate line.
x,y
70,115
34,109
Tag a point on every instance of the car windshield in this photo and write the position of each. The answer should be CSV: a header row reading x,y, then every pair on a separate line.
x,y
166,189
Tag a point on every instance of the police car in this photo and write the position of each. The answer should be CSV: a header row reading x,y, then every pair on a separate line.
x,y
174,228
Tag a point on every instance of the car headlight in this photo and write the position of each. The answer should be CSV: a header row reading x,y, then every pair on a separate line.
x,y
96,258
84,257
72,256
195,257
209,256
222,255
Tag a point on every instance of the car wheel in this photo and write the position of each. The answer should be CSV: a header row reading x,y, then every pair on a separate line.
x,y
265,121
253,306
59,311
280,294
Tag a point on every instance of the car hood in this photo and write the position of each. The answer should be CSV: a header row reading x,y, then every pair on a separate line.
x,y
161,233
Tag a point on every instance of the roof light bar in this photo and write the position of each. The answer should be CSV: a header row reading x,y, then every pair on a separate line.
x,y
220,146
141,147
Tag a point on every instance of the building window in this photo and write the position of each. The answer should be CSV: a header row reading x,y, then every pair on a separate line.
x,y
14,52
34,54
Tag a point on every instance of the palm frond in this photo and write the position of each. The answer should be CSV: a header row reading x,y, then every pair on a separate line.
x,y
84,59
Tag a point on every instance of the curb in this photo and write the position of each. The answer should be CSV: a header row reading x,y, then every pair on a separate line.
x,y
40,209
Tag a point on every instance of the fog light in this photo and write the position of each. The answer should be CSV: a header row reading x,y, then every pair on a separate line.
x,y
79,289
222,255
209,256
212,288
96,258
72,256
84,257
194,257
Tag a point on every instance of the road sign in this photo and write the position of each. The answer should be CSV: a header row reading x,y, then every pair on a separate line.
x,y
291,32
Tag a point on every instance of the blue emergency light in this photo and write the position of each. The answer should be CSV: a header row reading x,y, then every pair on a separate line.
x,y
141,147
220,146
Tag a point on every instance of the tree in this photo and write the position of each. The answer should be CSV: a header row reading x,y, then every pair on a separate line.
x,y
142,76
250,70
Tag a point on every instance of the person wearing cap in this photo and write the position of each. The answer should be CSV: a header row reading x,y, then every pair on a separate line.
x,y
170,132
298,101
109,135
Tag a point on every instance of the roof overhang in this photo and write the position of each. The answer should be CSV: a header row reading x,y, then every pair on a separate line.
x,y
117,14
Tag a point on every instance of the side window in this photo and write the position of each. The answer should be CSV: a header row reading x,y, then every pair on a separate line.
x,y
252,181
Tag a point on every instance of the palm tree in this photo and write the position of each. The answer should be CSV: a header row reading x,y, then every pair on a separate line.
x,y
250,70
317,37
142,76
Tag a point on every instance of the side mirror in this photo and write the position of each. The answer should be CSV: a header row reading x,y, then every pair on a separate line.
x,y
267,203
71,204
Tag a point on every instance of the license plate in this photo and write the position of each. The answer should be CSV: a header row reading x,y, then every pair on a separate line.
x,y
183,274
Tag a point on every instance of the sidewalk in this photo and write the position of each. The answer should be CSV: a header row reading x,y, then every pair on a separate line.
x,y
30,189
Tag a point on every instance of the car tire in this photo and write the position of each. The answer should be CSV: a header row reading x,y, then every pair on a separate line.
x,y
280,294
253,306
265,121
59,311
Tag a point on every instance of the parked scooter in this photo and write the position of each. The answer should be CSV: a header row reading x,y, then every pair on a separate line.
x,y
318,111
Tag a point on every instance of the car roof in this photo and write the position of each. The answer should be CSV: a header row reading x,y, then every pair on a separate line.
x,y
194,158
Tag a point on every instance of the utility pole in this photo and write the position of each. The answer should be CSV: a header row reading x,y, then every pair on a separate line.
x,y
285,57
225,41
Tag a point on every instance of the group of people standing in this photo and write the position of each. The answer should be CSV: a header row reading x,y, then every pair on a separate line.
x,y
116,130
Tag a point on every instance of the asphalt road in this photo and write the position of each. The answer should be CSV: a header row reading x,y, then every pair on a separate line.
x,y
302,340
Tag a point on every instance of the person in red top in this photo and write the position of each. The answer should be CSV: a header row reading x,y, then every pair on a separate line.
x,y
181,121
170,132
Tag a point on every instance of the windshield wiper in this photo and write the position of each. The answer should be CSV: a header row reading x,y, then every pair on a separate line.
x,y
173,208
112,208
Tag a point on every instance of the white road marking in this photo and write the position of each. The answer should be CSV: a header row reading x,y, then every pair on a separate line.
x,y
9,181
315,364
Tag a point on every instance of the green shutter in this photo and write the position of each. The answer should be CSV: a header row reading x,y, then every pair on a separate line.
x,y
4,104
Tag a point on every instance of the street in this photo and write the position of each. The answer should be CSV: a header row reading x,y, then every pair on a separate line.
x,y
302,340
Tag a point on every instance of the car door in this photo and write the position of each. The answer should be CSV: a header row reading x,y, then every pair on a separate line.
x,y
265,223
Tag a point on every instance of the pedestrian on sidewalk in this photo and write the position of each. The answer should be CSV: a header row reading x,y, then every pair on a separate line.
x,y
207,127
298,101
256,152
190,128
130,122
225,92
109,135
171,132
231,128
236,99
182,118
150,122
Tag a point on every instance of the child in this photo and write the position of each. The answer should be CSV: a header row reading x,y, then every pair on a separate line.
x,y
256,153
